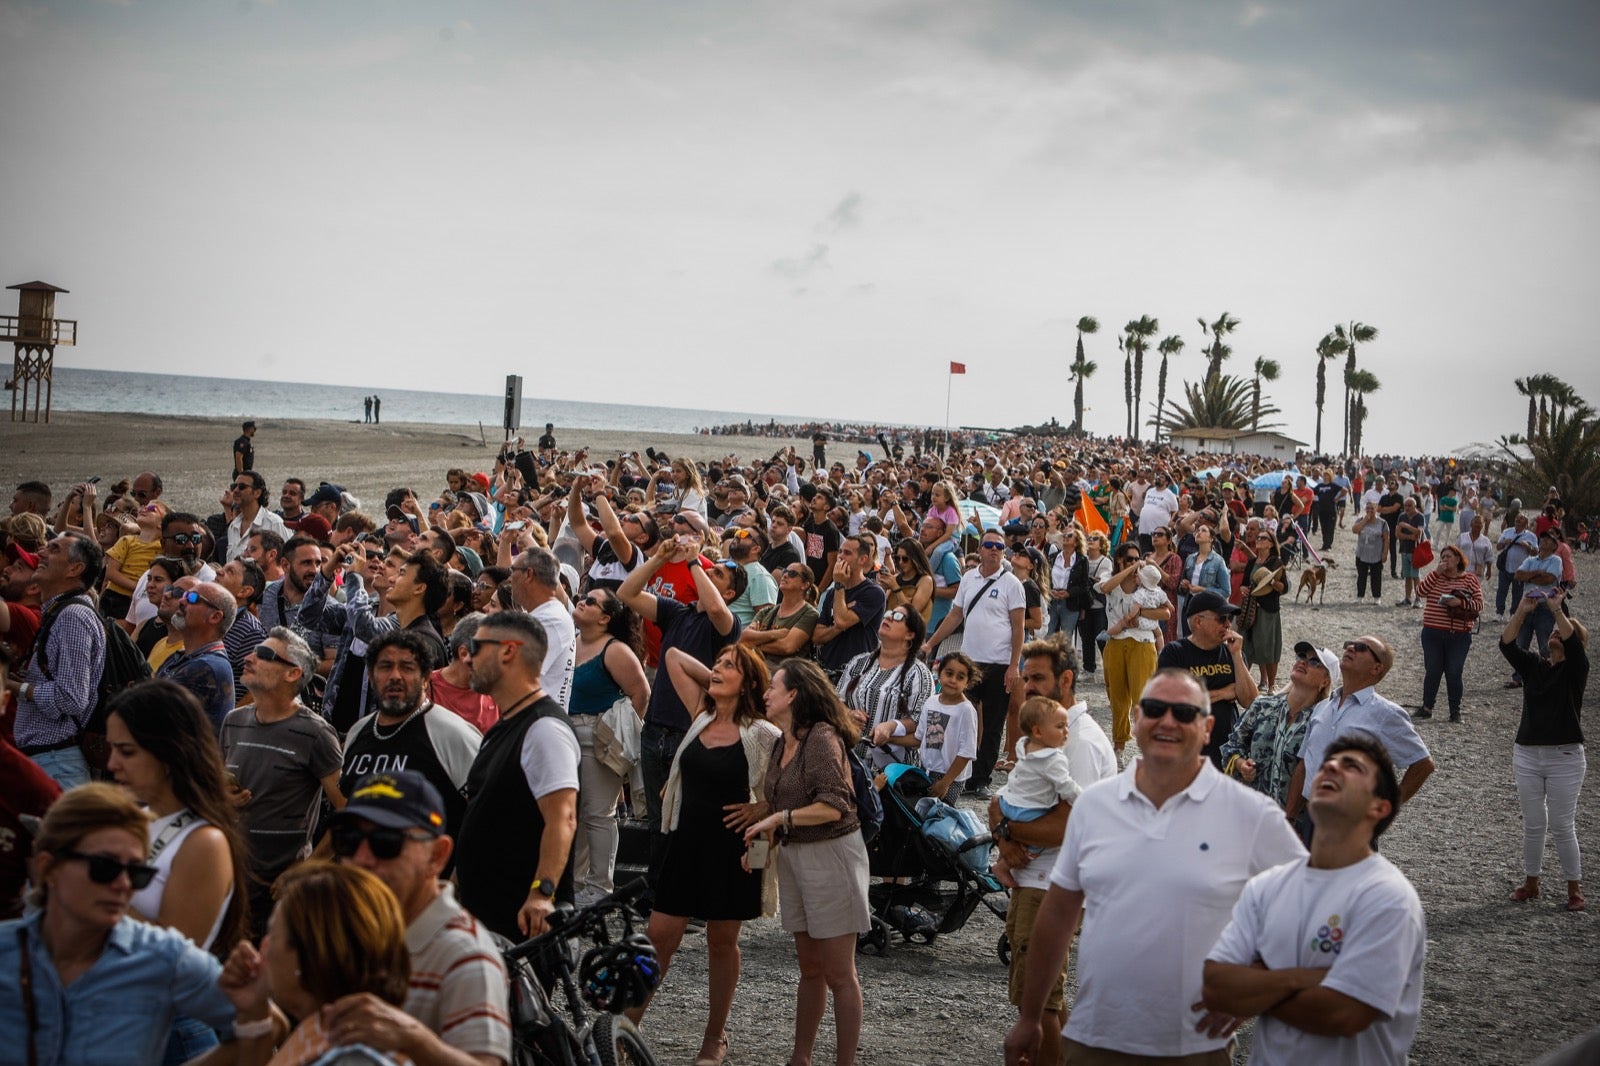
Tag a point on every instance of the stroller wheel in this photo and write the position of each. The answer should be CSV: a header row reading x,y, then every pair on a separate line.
x,y
922,936
874,941
1003,949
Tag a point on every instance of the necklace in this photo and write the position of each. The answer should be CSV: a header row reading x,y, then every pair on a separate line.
x,y
515,707
396,730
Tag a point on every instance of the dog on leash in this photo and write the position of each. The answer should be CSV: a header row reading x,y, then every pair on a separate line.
x,y
1313,579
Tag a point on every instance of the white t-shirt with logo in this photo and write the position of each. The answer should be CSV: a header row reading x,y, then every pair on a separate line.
x,y
1364,925
1159,507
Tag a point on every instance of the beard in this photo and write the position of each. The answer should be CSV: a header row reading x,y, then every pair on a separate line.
x,y
177,623
392,705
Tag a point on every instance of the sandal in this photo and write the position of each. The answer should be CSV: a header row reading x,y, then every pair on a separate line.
x,y
715,1060
1522,894
1576,903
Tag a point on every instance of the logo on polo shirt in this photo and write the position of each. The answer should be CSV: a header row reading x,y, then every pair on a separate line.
x,y
1328,938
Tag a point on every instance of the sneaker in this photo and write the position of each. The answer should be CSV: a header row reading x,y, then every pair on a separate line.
x,y
982,792
1421,714
1455,716
1402,603
1417,604
1499,619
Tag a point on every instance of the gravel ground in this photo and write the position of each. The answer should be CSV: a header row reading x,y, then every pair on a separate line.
x,y
1460,842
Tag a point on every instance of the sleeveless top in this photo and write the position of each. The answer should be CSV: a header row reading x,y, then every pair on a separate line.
x,y
166,839
593,690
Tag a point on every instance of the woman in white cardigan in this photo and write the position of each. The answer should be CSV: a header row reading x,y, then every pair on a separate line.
x,y
718,772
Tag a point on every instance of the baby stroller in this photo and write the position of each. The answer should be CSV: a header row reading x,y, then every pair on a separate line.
x,y
941,854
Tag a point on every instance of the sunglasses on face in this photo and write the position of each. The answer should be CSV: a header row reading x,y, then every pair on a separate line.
x,y
246,487
385,843
1360,645
792,573
1311,660
895,616
1184,713
103,869
186,538
267,655
192,598
477,644
993,545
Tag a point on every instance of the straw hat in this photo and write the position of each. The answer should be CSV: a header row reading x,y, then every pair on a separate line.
x,y
1264,581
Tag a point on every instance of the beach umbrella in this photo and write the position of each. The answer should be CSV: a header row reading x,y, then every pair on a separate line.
x,y
988,516
1273,480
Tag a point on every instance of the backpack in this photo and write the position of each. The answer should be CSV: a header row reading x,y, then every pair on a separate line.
x,y
121,667
869,806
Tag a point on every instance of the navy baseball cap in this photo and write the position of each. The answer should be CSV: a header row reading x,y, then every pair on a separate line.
x,y
402,800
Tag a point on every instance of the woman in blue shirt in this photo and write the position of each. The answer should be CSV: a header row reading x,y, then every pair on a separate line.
x,y
82,983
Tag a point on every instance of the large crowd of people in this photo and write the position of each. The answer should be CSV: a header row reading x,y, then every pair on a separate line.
x,y
358,743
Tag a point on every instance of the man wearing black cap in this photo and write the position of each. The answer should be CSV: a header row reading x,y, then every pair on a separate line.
x,y
1214,653
393,827
327,501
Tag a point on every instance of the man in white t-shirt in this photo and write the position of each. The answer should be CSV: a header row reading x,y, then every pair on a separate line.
x,y
1328,950
1153,860
1049,669
1160,505
536,588
990,604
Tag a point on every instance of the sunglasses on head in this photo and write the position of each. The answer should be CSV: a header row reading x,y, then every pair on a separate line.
x,y
103,869
1184,713
385,843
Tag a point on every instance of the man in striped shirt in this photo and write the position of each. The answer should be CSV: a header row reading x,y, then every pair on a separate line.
x,y
455,1010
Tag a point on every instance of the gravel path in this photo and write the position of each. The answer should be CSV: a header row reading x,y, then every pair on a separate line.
x,y
1503,983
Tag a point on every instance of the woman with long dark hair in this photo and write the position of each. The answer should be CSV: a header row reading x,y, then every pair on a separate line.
x,y
721,764
890,684
822,863
607,667
911,584
164,753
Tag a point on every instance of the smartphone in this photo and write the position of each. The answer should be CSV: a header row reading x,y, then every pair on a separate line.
x,y
756,853
514,525
94,480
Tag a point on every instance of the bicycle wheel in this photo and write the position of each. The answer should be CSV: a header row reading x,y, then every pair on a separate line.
x,y
618,1042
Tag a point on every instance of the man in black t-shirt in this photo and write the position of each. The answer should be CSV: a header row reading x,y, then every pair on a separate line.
x,y
850,610
1325,508
821,537
1389,510
244,450
1214,654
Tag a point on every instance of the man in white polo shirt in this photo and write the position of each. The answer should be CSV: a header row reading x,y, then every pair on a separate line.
x,y
1153,861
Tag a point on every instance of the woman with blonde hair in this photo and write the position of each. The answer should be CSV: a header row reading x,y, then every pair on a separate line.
x,y
81,975
1264,746
336,930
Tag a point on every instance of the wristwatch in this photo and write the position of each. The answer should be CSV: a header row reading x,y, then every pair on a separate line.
x,y
545,888
1003,830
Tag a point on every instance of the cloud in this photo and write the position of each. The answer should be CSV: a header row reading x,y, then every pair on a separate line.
x,y
803,266
846,214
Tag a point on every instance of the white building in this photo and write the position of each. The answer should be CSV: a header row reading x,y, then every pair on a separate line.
x,y
1261,442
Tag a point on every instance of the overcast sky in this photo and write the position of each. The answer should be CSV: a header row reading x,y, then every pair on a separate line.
x,y
812,207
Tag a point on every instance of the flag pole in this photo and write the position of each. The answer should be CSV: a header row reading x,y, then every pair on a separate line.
x,y
949,384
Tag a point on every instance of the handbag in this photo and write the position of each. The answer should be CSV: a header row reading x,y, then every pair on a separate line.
x,y
616,738
1247,612
1422,554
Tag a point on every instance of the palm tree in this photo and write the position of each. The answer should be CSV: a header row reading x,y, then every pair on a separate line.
x,y
1329,347
1526,387
1224,402
1352,334
1125,346
1216,351
1567,456
1169,347
1361,384
1081,369
1139,332
1266,369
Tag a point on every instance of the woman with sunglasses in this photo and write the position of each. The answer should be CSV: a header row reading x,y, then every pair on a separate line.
x,y
784,629
164,752
1136,611
1263,637
822,863
1264,746
1170,563
890,684
607,667
911,583
623,541
720,767
81,976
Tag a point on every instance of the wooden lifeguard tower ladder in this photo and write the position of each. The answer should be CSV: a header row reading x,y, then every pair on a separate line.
x,y
35,331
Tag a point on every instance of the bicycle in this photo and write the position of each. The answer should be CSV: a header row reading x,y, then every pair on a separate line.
x,y
617,973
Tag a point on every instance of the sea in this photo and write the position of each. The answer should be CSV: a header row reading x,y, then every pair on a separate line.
x,y
78,389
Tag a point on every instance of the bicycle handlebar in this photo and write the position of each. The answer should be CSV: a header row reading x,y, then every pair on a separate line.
x,y
564,920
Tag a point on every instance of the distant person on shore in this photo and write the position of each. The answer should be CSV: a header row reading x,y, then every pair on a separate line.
x,y
244,450
366,403
377,410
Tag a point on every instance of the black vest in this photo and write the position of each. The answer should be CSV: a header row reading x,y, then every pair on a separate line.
x,y
497,855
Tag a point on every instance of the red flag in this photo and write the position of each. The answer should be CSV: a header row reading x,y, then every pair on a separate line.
x,y
958,368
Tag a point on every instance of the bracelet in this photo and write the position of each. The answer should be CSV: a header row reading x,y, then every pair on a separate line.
x,y
788,821
253,1030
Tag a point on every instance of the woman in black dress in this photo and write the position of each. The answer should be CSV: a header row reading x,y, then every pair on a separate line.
x,y
717,774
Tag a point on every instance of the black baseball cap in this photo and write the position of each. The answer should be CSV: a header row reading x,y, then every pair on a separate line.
x,y
402,800
1206,600
327,492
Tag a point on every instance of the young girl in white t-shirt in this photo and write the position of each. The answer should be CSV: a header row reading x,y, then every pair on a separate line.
x,y
947,728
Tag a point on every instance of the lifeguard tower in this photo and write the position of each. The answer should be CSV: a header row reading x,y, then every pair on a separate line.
x,y
35,331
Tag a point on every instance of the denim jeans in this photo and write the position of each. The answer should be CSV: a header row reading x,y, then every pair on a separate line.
x,y
657,746
1063,619
1536,627
1549,778
67,766
1504,585
1444,655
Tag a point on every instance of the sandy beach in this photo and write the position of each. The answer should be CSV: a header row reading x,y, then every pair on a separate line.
x,y
194,456
1504,981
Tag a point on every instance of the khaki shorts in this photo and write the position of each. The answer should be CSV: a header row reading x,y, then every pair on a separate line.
x,y
1020,916
822,887
1076,1054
